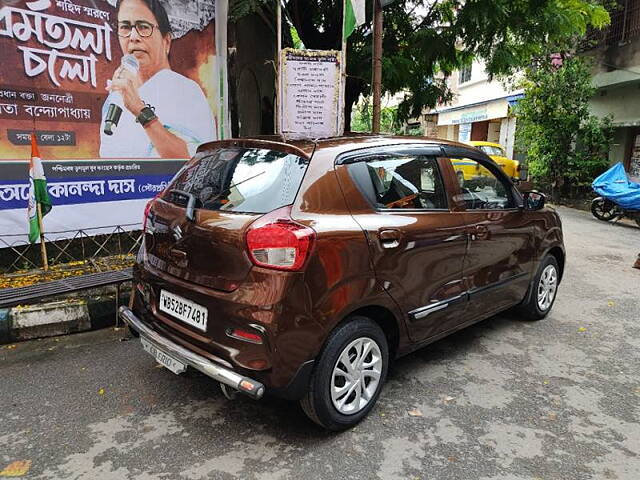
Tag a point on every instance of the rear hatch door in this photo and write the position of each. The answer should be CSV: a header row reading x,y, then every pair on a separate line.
x,y
196,229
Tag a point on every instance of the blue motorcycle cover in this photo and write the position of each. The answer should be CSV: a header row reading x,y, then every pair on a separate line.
x,y
614,185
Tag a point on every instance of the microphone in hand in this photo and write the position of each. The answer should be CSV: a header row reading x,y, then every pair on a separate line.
x,y
114,111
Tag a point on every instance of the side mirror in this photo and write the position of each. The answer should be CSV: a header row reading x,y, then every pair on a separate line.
x,y
534,200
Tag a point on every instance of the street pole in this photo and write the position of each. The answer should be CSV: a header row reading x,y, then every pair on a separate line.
x,y
377,65
276,109
43,247
343,73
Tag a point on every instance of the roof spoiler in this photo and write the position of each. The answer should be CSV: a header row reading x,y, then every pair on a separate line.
x,y
255,143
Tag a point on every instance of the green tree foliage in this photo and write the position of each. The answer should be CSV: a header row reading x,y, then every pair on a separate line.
x,y
389,122
425,40
565,143
388,119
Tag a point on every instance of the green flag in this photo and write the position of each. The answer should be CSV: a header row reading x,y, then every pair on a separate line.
x,y
353,16
38,193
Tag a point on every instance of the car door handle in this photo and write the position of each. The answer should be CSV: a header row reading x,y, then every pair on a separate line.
x,y
389,238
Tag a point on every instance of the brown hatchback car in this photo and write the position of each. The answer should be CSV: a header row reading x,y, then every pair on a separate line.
x,y
301,269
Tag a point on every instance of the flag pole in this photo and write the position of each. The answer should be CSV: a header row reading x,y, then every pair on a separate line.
x,y
43,248
32,174
343,70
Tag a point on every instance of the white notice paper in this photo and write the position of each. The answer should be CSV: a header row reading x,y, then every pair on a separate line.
x,y
310,91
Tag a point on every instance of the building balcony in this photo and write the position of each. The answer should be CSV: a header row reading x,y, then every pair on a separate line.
x,y
624,27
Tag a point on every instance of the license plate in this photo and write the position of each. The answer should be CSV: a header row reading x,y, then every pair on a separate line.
x,y
162,358
184,310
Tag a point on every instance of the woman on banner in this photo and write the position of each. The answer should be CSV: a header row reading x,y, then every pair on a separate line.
x,y
164,114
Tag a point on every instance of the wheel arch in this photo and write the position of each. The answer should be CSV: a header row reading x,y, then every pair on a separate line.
x,y
558,253
384,318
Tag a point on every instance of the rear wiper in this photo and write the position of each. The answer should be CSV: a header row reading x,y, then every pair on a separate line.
x,y
191,203
245,180
233,186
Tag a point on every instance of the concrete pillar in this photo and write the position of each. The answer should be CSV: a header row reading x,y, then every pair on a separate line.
x,y
451,133
494,132
504,129
511,136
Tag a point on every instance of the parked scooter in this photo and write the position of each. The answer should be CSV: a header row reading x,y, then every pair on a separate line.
x,y
619,196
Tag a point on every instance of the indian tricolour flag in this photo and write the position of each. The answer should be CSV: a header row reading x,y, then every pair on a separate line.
x,y
353,16
37,191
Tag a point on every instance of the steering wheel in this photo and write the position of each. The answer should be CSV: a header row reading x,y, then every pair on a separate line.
x,y
473,200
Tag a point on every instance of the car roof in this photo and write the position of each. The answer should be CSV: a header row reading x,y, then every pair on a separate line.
x,y
337,145
358,141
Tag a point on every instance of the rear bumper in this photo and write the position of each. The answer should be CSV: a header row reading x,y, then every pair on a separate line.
x,y
220,373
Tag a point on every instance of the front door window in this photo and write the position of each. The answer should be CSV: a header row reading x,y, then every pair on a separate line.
x,y
480,188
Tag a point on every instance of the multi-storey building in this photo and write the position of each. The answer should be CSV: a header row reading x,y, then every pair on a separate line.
x,y
480,109
616,51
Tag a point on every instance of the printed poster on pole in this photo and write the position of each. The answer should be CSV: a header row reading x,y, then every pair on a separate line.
x,y
310,93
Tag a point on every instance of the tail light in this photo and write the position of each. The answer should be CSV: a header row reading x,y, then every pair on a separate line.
x,y
147,209
276,241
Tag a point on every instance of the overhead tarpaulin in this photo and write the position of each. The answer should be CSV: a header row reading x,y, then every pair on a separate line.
x,y
62,73
474,113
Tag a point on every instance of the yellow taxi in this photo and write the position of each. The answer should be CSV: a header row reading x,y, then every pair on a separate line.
x,y
468,170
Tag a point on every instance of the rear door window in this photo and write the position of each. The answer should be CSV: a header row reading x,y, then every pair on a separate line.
x,y
235,179
407,182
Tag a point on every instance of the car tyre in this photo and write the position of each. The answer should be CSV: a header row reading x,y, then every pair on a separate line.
x,y
348,376
540,300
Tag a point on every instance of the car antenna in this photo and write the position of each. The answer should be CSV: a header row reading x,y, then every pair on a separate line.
x,y
315,146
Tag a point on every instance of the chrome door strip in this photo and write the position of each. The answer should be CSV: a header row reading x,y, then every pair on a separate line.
x,y
423,312
498,284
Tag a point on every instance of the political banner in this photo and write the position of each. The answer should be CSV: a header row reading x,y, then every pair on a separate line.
x,y
104,83
85,194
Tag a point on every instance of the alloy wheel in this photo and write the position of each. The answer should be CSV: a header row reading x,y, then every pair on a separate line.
x,y
356,376
547,287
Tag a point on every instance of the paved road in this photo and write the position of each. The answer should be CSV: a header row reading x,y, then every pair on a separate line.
x,y
503,400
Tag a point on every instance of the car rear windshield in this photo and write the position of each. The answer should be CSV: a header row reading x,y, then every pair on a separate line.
x,y
249,180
